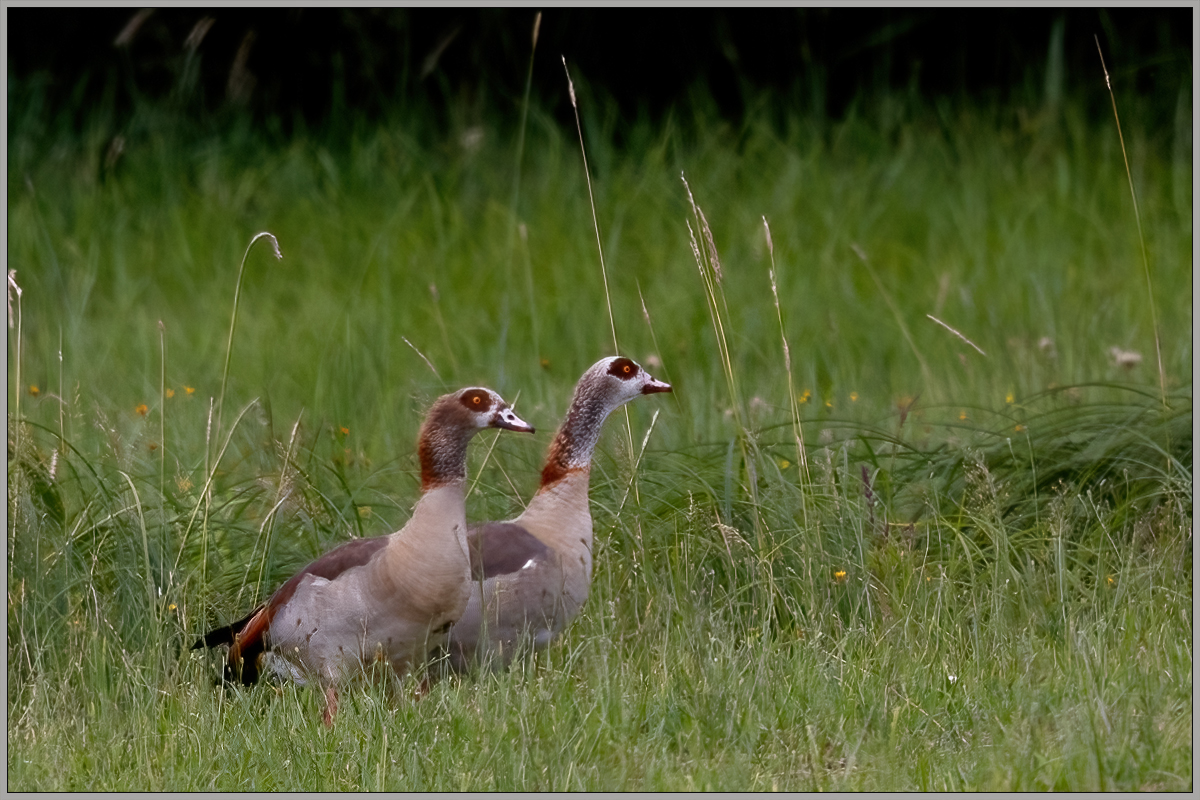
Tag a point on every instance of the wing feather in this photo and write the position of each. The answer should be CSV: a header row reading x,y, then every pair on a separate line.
x,y
501,548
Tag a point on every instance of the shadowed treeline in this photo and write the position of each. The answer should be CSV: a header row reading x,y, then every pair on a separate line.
x,y
315,65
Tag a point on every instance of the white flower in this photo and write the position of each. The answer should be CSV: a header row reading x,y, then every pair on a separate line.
x,y
1124,358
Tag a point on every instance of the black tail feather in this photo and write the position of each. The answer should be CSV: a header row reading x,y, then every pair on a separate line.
x,y
247,671
223,635
216,637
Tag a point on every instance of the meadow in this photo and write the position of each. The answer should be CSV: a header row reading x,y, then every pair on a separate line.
x,y
852,550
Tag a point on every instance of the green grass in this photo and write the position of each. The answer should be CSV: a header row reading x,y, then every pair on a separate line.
x,y
983,581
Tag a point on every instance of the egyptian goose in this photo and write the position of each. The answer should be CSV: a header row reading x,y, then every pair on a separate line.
x,y
531,575
385,598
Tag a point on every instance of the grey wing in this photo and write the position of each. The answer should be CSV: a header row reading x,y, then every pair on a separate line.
x,y
500,548
347,555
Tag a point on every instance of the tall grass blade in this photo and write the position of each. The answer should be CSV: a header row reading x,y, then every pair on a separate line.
x,y
488,457
599,245
237,295
282,493
152,607
887,298
204,500
514,223
595,220
162,438
1137,216
14,288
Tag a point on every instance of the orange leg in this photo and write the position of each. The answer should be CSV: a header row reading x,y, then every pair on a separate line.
x,y
331,705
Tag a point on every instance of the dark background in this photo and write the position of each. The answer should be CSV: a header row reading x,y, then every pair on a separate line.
x,y
311,66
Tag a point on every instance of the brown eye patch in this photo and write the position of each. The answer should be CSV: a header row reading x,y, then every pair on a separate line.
x,y
623,368
476,400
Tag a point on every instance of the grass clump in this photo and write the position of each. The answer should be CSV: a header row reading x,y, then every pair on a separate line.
x,y
980,579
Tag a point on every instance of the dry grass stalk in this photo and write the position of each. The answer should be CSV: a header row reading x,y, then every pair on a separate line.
x,y
197,34
428,363
797,430
707,262
978,349
127,34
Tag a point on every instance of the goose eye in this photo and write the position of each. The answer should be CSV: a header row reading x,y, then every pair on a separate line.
x,y
623,368
476,401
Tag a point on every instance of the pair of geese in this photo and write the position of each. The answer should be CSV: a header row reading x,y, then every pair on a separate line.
x,y
481,592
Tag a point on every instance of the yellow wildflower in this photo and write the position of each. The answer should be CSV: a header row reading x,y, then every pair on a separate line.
x,y
142,409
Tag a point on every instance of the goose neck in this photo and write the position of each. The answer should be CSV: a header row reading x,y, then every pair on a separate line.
x,y
443,456
576,440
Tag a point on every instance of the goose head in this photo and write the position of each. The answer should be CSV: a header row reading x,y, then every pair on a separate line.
x,y
616,380
451,422
486,409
